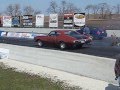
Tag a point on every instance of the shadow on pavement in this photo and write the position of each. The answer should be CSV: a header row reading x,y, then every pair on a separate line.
x,y
112,87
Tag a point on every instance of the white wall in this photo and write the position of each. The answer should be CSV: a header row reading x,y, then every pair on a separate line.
x,y
47,30
112,32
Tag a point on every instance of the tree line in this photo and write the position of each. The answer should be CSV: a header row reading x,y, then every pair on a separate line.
x,y
98,11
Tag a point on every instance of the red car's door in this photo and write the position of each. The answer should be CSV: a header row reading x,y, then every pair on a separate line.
x,y
52,38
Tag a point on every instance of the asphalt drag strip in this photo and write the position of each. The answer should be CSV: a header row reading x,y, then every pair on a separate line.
x,y
98,48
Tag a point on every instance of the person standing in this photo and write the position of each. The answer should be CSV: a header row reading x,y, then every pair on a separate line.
x,y
86,30
117,69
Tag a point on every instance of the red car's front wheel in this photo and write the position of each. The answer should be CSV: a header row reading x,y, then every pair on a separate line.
x,y
40,43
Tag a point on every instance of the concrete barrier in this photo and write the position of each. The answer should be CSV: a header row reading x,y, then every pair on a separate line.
x,y
4,53
36,30
47,30
113,32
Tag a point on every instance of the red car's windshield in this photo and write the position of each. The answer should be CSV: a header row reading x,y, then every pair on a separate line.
x,y
73,34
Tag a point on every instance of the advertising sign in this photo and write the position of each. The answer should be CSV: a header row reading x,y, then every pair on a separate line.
x,y
39,20
68,20
79,19
13,34
4,34
27,21
19,35
26,35
16,21
53,20
7,21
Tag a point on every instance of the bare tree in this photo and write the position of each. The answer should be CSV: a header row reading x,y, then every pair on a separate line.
x,y
103,9
71,8
10,10
37,12
13,10
28,10
53,7
65,7
117,9
62,8
88,9
17,11
95,10
68,7
109,11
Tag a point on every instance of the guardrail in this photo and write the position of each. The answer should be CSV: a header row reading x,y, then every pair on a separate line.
x,y
113,32
20,35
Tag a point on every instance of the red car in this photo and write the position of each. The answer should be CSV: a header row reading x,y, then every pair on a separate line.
x,y
61,38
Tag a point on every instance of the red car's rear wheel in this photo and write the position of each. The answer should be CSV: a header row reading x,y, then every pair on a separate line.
x,y
62,45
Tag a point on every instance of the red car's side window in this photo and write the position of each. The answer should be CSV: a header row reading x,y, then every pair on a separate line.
x,y
54,33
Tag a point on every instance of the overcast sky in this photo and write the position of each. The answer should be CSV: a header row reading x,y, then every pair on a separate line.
x,y
43,4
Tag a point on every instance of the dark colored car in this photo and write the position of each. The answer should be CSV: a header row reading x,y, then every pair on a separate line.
x,y
98,33
95,32
61,38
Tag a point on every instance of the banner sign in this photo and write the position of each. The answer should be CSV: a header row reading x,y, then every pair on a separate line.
x,y
68,20
39,20
19,35
53,20
16,21
26,35
1,32
27,20
7,21
4,34
13,34
79,19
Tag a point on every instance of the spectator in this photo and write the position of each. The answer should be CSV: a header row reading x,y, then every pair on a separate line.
x,y
117,69
98,32
114,39
86,30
